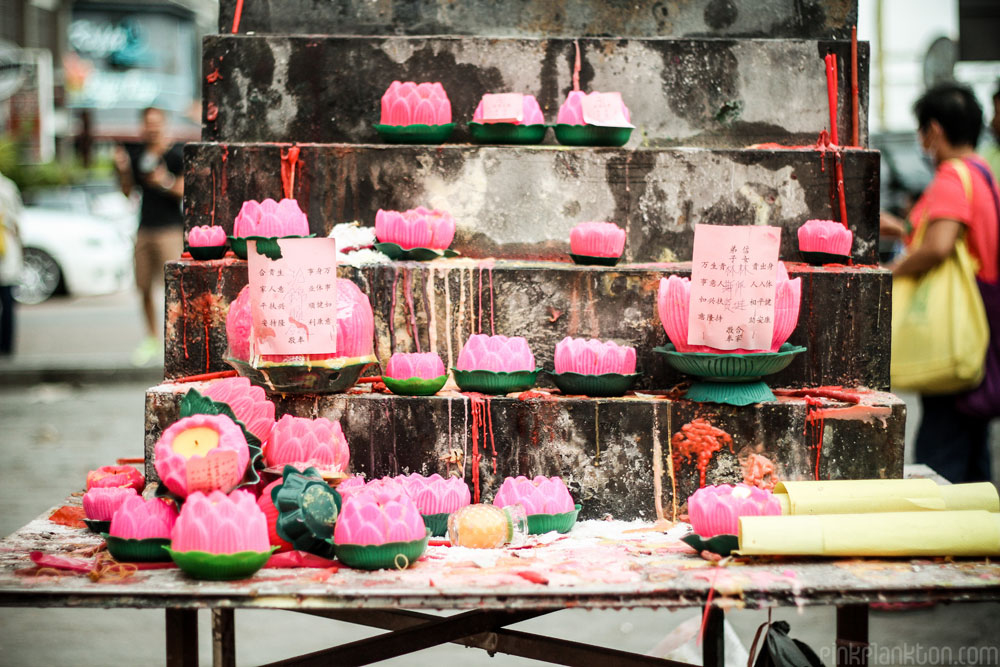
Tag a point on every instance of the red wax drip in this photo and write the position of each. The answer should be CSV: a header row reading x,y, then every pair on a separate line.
x,y
815,425
855,118
493,444
237,15
289,162
698,441
576,66
480,300
411,322
493,326
482,427
392,313
213,197
225,157
213,76
831,93
184,322
838,162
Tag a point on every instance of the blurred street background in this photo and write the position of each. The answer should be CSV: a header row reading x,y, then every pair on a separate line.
x,y
74,75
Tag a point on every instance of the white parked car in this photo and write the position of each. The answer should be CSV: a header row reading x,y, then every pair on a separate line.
x,y
78,242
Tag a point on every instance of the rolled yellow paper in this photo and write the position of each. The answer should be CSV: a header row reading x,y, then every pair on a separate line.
x,y
857,496
946,533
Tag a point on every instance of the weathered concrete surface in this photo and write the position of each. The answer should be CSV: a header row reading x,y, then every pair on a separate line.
x,y
522,202
700,92
547,18
844,317
614,454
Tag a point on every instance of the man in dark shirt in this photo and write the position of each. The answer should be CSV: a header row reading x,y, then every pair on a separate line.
x,y
156,168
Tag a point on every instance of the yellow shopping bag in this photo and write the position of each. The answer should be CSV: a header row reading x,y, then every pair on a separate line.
x,y
939,328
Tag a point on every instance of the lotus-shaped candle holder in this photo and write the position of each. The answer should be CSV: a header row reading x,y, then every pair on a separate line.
x,y
572,130
530,129
266,221
437,497
308,510
495,365
597,243
415,374
140,529
101,503
308,443
591,367
415,113
825,242
207,242
545,500
716,510
418,234
201,452
112,476
247,401
374,533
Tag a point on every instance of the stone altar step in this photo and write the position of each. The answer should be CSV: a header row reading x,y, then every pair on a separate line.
x,y
619,456
522,202
692,92
844,316
545,18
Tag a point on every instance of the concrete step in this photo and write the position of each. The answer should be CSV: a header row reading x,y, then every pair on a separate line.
x,y
691,92
618,456
522,202
844,315
544,18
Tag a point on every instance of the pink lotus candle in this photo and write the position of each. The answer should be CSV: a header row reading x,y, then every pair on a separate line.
x,y
541,495
220,524
266,506
415,228
715,510
826,236
201,452
571,111
364,520
248,401
111,476
271,219
597,239
411,103
531,112
140,519
593,357
436,494
673,303
206,236
425,365
351,485
307,442
496,353
99,504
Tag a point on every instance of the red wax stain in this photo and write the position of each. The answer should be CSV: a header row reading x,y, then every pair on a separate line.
x,y
759,471
211,112
289,163
533,577
70,516
493,327
225,181
835,393
411,311
698,441
482,427
213,76
208,308
480,327
392,313
184,309
815,425
554,314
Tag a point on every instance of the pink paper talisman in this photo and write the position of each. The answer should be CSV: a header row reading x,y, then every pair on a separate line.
x,y
503,108
294,298
604,110
733,283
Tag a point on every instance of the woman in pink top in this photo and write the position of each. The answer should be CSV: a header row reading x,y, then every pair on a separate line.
x,y
950,120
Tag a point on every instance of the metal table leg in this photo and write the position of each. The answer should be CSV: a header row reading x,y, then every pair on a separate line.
x,y
182,637
223,638
852,635
713,652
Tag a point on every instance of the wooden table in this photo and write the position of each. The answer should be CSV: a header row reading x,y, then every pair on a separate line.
x,y
598,565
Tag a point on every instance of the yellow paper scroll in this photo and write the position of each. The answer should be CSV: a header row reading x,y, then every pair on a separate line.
x,y
865,496
957,533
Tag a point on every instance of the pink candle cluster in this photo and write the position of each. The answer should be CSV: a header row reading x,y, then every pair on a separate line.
x,y
271,219
826,236
424,365
366,520
140,519
172,467
307,442
111,476
220,524
597,239
415,228
541,495
591,356
248,401
436,494
413,103
206,236
673,305
531,112
571,111
100,503
496,353
715,510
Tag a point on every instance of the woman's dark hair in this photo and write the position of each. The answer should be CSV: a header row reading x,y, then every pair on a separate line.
x,y
954,106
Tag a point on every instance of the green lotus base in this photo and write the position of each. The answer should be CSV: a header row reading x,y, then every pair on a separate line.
x,y
319,377
266,245
415,134
600,386
415,386
592,135
437,524
546,523
390,556
397,252
205,253
307,510
98,526
730,393
220,567
821,258
495,382
507,133
722,545
593,260
137,551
